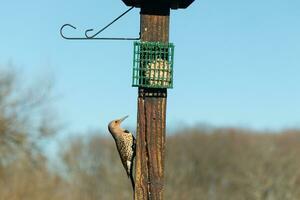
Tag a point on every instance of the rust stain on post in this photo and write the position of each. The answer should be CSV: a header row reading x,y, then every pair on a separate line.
x,y
151,128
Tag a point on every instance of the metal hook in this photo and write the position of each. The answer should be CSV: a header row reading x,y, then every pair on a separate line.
x,y
93,37
61,32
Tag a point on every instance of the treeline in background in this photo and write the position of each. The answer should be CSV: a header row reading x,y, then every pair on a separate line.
x,y
201,163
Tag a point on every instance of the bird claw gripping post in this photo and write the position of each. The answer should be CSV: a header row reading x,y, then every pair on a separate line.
x,y
153,65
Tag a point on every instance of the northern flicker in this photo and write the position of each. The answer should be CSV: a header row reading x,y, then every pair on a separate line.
x,y
125,143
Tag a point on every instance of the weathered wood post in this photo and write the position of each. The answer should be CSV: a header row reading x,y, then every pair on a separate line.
x,y
152,95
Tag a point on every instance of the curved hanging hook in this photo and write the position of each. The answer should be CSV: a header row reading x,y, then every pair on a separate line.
x,y
61,31
87,37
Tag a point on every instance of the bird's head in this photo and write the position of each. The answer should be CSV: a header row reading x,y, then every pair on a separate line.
x,y
114,125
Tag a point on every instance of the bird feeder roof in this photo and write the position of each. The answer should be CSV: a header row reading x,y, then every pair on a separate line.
x,y
174,4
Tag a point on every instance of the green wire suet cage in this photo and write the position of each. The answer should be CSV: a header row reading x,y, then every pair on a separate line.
x,y
153,65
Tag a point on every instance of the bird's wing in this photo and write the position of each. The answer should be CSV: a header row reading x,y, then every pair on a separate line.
x,y
133,147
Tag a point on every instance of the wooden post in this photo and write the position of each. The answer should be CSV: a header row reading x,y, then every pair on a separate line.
x,y
151,128
152,103
149,174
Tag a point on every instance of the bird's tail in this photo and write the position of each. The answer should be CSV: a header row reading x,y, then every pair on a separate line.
x,y
133,185
132,181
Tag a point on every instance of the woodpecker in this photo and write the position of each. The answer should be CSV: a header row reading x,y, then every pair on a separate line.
x,y
125,143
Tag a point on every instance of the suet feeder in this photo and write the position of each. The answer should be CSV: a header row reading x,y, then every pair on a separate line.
x,y
153,65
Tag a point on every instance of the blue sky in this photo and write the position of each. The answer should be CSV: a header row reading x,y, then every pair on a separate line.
x,y
237,63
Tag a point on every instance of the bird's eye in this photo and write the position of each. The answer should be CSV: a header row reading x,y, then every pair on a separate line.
x,y
116,122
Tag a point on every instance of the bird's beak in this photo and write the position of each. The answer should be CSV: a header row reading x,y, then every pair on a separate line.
x,y
123,118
